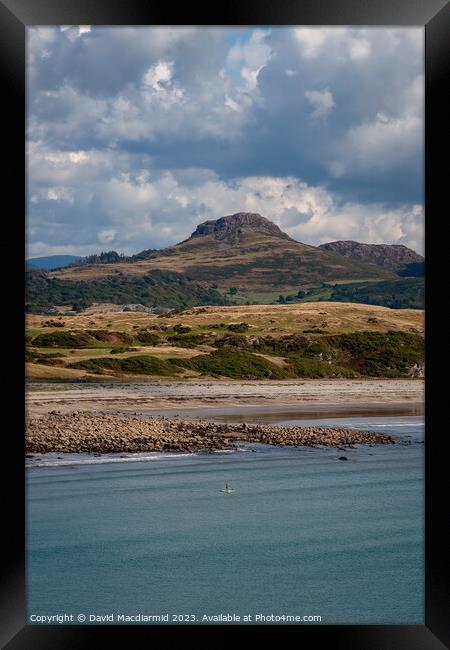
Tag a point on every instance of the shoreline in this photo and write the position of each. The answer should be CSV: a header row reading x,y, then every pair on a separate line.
x,y
210,416
83,432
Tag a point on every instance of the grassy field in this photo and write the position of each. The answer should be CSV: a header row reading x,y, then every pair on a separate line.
x,y
247,342
340,318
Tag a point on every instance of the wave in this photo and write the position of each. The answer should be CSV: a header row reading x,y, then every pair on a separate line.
x,y
64,462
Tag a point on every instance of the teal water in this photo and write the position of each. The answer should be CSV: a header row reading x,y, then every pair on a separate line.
x,y
303,534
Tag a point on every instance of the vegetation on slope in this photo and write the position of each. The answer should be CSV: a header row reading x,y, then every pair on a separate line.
x,y
392,354
155,289
233,364
408,293
265,342
138,365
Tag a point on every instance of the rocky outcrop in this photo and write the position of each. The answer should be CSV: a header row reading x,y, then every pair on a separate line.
x,y
388,256
232,227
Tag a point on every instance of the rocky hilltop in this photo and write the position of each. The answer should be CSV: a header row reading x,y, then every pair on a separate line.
x,y
387,256
232,228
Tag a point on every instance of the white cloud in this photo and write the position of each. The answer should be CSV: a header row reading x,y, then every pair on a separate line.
x,y
158,75
254,54
383,143
232,104
321,100
359,49
312,39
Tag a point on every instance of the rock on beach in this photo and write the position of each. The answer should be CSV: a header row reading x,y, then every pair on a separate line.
x,y
84,432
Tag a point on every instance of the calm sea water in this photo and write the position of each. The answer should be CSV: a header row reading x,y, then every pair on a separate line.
x,y
303,534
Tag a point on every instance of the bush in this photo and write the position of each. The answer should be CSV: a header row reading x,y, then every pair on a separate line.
x,y
53,323
233,364
148,338
238,327
191,340
63,340
139,365
378,354
51,359
181,329
105,336
80,305
311,367
118,349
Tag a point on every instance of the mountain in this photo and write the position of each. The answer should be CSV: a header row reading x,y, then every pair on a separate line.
x,y
51,261
388,256
241,258
245,253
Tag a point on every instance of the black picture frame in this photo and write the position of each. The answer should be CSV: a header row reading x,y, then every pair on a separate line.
x,y
15,16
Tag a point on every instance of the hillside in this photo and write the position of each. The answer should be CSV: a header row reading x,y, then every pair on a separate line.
x,y
154,289
388,256
243,255
406,293
251,342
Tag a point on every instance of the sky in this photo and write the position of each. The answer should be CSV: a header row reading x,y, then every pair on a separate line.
x,y
137,134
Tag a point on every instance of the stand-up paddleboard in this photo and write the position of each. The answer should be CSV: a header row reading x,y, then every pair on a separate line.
x,y
227,489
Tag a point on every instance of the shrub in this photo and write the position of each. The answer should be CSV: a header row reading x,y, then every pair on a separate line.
x,y
313,367
140,365
51,359
379,354
148,338
63,340
53,323
233,364
105,336
238,327
181,329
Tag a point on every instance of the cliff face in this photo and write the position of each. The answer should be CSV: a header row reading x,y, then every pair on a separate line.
x,y
388,256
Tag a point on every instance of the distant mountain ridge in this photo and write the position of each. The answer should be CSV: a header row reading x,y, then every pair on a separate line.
x,y
51,261
387,256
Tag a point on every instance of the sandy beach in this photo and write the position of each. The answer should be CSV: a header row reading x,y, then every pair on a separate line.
x,y
218,399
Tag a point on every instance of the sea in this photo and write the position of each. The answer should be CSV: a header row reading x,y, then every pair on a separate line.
x,y
306,537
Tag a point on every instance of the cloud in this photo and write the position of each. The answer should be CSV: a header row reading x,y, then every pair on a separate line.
x,y
150,208
142,132
321,100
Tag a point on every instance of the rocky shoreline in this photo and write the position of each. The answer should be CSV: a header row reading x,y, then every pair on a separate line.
x,y
85,432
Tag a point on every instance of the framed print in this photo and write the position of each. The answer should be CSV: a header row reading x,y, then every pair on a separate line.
x,y
225,426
